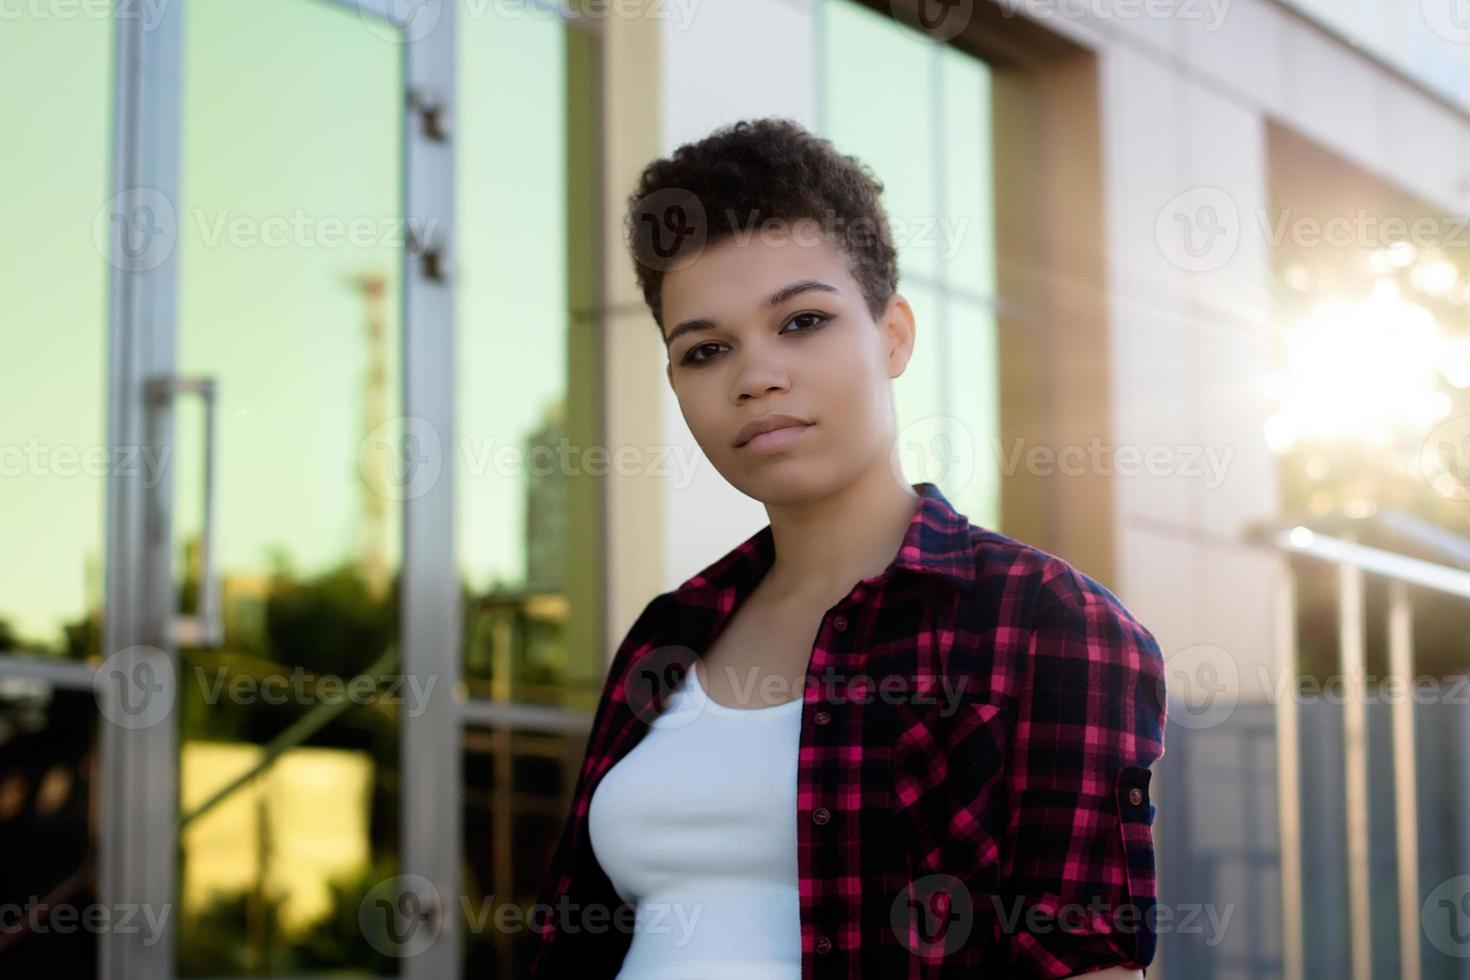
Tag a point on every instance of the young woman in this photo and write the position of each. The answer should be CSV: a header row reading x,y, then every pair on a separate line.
x,y
875,739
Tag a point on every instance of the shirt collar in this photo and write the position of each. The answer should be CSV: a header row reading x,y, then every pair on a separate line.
x,y
936,543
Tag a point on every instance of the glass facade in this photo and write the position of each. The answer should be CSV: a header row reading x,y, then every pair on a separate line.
x,y
53,302
923,125
290,238
528,517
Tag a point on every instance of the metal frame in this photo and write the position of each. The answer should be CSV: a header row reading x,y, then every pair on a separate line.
x,y
139,783
1354,561
68,675
430,617
138,791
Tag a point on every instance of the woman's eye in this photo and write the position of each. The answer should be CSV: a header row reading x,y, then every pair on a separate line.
x,y
813,321
819,319
689,357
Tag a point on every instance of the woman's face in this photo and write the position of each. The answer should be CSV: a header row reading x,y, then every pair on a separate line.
x,y
815,354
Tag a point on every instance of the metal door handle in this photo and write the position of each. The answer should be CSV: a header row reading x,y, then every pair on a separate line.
x,y
206,628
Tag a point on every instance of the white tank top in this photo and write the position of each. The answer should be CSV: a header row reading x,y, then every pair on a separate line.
x,y
696,826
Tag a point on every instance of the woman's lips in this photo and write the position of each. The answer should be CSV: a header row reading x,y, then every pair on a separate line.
x,y
777,439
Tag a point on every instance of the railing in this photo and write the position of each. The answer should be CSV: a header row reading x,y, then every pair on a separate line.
x,y
1354,561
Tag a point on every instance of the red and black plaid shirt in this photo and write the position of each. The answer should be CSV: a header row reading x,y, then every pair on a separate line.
x,y
973,780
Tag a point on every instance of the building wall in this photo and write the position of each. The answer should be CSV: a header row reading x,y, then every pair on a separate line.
x,y
1183,108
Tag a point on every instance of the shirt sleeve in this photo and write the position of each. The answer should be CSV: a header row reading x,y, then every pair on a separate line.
x,y
1077,876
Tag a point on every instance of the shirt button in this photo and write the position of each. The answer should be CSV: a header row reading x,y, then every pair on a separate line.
x,y
821,815
839,622
823,717
1135,796
824,945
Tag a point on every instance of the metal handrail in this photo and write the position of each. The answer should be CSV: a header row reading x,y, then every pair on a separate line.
x,y
1354,561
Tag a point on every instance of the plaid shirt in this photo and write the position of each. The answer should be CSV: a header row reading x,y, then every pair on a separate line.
x,y
973,777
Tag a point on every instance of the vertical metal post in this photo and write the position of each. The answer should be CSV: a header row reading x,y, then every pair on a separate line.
x,y
1355,764
1288,777
429,635
1405,778
137,853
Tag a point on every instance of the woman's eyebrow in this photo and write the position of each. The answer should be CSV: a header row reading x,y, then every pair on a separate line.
x,y
775,299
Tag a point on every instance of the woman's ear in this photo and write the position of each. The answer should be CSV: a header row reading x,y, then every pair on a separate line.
x,y
898,334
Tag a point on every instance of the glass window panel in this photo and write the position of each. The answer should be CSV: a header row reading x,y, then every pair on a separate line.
x,y
55,171
973,357
925,128
528,525
290,253
517,790
48,835
884,118
966,229
919,391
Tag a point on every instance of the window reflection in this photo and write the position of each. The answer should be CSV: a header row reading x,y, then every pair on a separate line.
x,y
924,126
290,251
53,302
48,830
529,531
528,513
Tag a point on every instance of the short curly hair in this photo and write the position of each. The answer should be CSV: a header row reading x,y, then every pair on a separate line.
x,y
747,175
